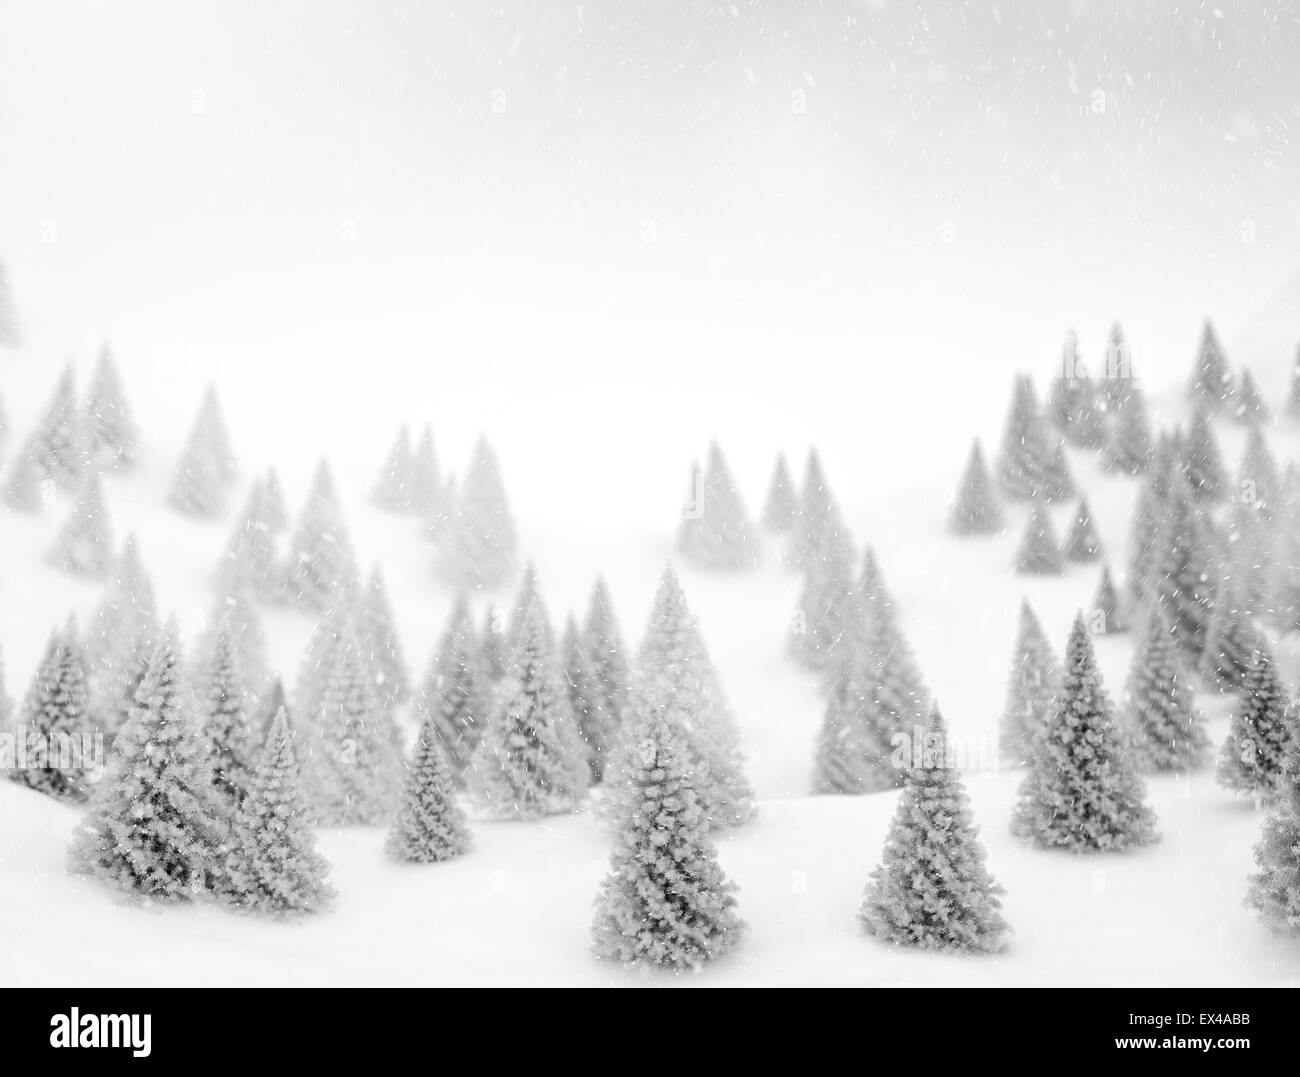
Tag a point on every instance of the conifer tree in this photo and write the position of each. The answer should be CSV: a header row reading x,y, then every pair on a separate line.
x,y
354,764
155,826
334,628
1058,483
1025,468
609,658
456,694
781,510
1082,544
273,865
528,595
665,901
321,570
429,494
430,826
1211,383
223,710
1182,581
1031,692
211,430
57,725
58,449
586,699
10,334
824,606
1258,485
84,543
1202,461
249,561
1230,641
478,546
530,762
854,744
1106,615
199,486
1039,553
1129,448
976,511
1167,730
238,616
1248,406
122,637
716,532
392,491
111,437
24,489
819,526
1263,726
1274,890
932,889
276,700
492,647
379,638
1117,381
1081,791
1149,517
1071,394
273,510
900,696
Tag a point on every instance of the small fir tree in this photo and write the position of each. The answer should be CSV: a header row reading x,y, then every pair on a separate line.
x,y
976,511
392,490
1248,407
1039,553
57,725
456,697
586,699
1106,615
430,826
1230,641
819,526
1181,572
1031,691
781,509
379,638
716,532
1211,383
1026,463
321,569
608,654
1167,730
1082,544
1258,485
854,747
223,711
58,446
84,544
26,488
123,634
493,647
111,437
478,546
1202,462
1129,447
1262,728
206,469
1274,891
429,494
10,334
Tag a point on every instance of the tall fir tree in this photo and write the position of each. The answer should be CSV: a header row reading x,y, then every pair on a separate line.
x,y
665,902
156,827
609,655
430,495
493,647
1202,461
274,510
932,889
57,725
819,526
112,440
824,605
1181,572
248,563
1262,729
1058,482
1025,467
781,510
334,627
455,699
1211,382
122,636
586,699
900,695
1248,406
207,467
1274,890
84,544
1039,553
1230,641
223,710
58,446
274,866
430,826
1031,691
478,546
976,511
1129,448
1107,615
1160,712
380,640
1082,544
321,570
716,532
392,490
1148,517
25,488
1081,791
1258,484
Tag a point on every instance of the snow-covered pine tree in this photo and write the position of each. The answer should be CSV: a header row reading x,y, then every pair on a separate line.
x,y
1263,727
429,494
10,334
1071,402
530,761
234,613
333,628
781,510
1031,691
932,889
1181,572
1128,449
824,606
56,723
111,437
354,767
274,511
58,446
528,595
609,656
223,710
1058,483
122,637
819,525
493,647
587,699
248,563
665,901
156,826
1230,641
206,469
84,543
478,546
1160,713
1082,544
1039,553
273,865
1107,616
1025,466
382,646
456,695
215,434
430,826
976,511
716,532
1082,791
1117,380
24,489
1148,517
1258,485
1248,408
321,570
1274,890
392,490
277,700
1202,462
1211,383
900,696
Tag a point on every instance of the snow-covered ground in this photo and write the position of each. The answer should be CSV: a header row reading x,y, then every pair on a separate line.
x,y
598,491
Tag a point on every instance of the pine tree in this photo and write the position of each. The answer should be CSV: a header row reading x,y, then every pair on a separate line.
x,y
155,826
492,647
900,697
223,710
781,511
210,428
58,449
586,699
1202,461
478,546
273,510
123,634
1211,384
1161,716
1258,485
1230,641
608,654
429,494
1082,544
10,334
1039,554
529,595
1129,449
932,889
1025,468
321,570
84,544
1263,727
854,745
334,628
1247,553
392,491
976,511
57,725
111,436
354,764
716,532
25,488
1180,573
248,563
1071,394
206,469
1274,890
430,826
665,901
1106,616
1149,517
456,695
1031,692
233,613
274,866
824,606
1117,382
276,700
1081,791
1249,407
382,646
819,526
1058,483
